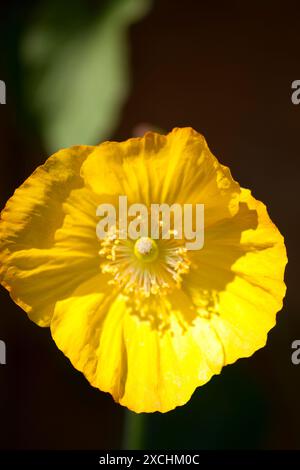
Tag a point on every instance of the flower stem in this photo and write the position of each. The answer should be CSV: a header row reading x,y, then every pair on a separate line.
x,y
134,431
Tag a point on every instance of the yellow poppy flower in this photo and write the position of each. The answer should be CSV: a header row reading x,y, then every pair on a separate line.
x,y
146,321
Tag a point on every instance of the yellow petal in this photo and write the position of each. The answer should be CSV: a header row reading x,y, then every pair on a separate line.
x,y
127,356
92,313
165,367
178,168
239,280
40,262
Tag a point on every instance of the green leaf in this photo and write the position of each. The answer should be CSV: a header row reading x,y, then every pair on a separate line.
x,y
76,64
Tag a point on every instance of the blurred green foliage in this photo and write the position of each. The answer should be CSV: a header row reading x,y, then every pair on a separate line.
x,y
75,57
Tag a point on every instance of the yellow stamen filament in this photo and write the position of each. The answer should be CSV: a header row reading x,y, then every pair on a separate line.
x,y
145,266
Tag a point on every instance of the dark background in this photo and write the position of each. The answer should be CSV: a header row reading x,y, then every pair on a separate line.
x,y
224,68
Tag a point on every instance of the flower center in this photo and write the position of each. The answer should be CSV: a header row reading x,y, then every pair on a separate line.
x,y
146,249
143,267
